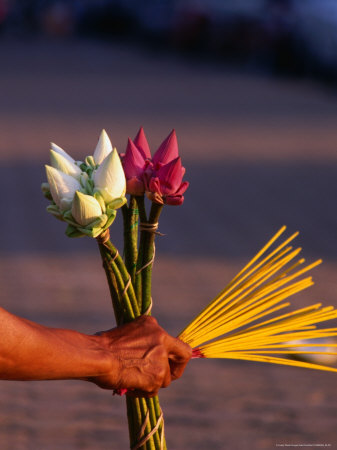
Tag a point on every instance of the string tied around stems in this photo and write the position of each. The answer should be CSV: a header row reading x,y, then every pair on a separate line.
x,y
143,440
149,309
104,237
149,262
126,287
150,228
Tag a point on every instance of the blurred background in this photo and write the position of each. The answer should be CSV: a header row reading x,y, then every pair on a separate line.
x,y
278,36
250,87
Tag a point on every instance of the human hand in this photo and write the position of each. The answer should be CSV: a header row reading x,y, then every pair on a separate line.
x,y
144,358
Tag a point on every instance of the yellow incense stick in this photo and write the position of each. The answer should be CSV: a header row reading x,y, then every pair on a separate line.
x,y
229,326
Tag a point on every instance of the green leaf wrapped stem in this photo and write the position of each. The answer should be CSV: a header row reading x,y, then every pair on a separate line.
x,y
126,308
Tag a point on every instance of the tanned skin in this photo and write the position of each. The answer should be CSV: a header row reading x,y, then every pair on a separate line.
x,y
139,356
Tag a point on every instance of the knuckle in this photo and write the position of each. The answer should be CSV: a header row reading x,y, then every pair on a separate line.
x,y
166,383
159,378
151,320
155,386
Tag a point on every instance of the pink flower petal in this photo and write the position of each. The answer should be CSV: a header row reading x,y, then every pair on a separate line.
x,y
182,188
170,176
167,151
154,185
135,186
133,161
174,200
162,177
141,142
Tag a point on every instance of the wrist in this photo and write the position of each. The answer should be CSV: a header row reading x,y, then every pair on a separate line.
x,y
106,361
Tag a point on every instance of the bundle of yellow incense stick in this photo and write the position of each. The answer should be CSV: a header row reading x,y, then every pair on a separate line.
x,y
240,323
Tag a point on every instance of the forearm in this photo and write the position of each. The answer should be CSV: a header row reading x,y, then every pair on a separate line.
x,y
29,351
138,356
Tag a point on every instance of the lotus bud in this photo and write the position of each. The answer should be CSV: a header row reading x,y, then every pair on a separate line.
x,y
64,165
62,187
85,209
167,152
86,194
103,148
60,151
141,143
109,178
83,179
134,164
100,200
167,186
89,160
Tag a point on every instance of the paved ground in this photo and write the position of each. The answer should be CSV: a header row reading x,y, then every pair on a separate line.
x,y
259,153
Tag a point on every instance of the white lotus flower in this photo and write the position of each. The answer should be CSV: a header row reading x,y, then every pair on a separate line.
x,y
85,209
85,195
62,187
60,151
60,162
103,148
109,178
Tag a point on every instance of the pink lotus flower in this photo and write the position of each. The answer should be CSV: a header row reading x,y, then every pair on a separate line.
x,y
167,152
160,177
134,164
163,180
141,143
165,185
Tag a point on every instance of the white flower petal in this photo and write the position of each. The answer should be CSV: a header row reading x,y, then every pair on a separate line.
x,y
62,152
64,165
85,209
62,186
103,148
109,178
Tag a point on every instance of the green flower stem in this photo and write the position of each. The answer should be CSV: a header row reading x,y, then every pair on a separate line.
x,y
125,304
130,314
153,420
113,287
144,406
132,419
143,287
148,253
138,280
158,413
145,255
138,409
130,219
130,216
122,275
126,307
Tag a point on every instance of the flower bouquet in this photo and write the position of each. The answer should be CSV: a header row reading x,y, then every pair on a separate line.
x,y
240,323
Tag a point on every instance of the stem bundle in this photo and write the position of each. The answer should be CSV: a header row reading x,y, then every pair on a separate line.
x,y
130,288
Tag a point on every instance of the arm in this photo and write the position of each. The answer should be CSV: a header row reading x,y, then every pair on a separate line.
x,y
140,355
